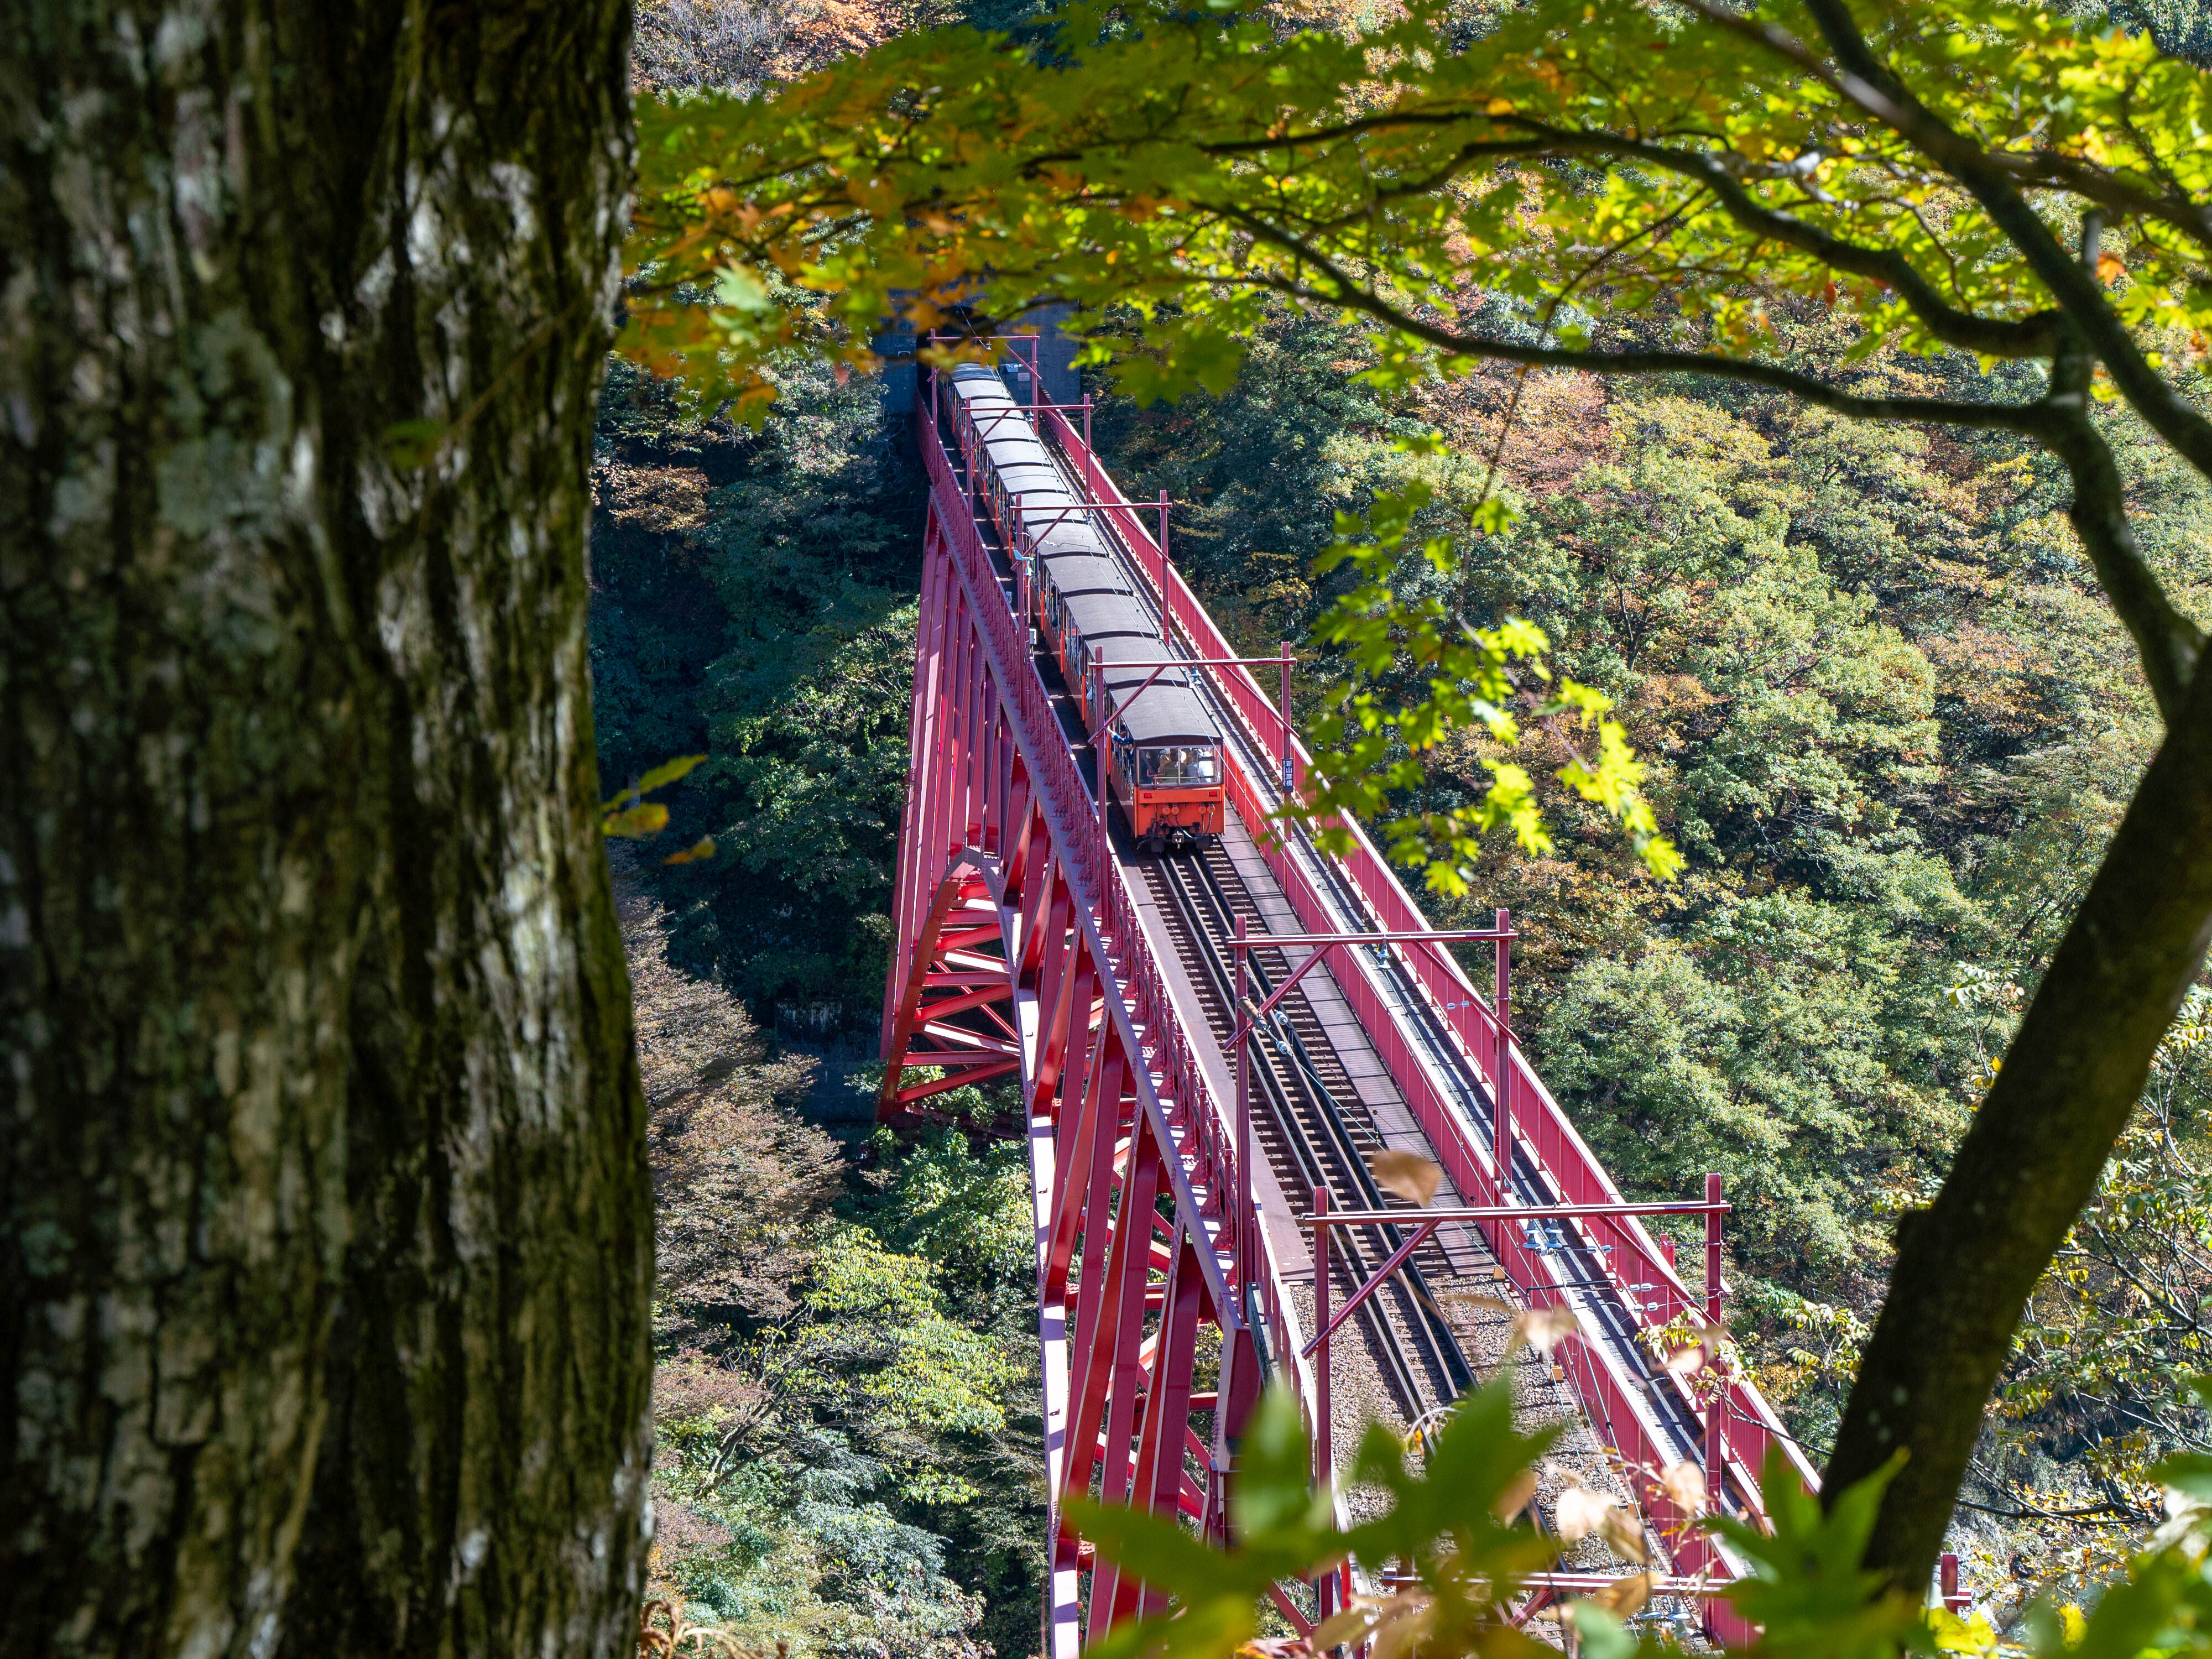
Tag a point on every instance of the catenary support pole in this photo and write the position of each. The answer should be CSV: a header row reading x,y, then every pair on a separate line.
x,y
1502,1146
1283,711
1324,1451
1102,748
1167,597
1246,1251
1716,1408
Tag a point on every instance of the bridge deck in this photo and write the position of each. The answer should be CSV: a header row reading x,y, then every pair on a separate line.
x,y
1110,997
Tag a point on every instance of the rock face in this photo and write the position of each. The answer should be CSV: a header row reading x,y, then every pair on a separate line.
x,y
326,1232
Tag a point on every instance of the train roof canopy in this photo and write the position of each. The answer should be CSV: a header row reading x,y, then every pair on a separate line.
x,y
1084,573
1102,616
1068,536
979,382
1113,652
1166,714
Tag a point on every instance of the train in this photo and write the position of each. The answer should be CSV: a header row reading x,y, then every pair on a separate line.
x,y
1162,750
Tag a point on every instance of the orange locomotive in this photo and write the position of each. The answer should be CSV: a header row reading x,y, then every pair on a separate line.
x,y
1166,754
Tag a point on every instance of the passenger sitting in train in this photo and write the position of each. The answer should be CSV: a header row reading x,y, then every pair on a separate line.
x,y
1181,768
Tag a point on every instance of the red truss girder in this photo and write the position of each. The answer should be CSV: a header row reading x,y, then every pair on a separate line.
x,y
1008,964
1019,953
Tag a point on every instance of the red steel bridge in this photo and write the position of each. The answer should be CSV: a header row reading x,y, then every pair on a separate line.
x,y
1186,1161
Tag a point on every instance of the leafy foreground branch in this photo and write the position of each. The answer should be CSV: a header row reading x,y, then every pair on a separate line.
x,y
1605,186
1451,1551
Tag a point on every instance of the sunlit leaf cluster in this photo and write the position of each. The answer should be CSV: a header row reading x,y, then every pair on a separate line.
x,y
1415,674
1171,171
1445,1555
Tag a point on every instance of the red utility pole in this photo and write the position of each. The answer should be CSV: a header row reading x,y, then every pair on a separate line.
x,y
1502,1145
1717,1411
1245,1250
1167,599
1324,1452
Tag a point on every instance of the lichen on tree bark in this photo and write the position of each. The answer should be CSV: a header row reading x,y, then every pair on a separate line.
x,y
324,1227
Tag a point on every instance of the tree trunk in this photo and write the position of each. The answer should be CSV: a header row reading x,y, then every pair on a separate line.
x,y
325,1237
2074,1072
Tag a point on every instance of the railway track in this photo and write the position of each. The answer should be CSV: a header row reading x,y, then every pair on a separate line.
x,y
1333,1146
1313,1127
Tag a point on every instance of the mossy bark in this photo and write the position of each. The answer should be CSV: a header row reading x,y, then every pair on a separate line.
x,y
325,1237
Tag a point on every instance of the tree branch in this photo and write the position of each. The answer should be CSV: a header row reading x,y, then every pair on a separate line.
x,y
1870,84
2169,643
2027,336
2030,419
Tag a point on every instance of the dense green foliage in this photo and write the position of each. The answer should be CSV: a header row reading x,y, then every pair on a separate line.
x,y
846,1391
754,600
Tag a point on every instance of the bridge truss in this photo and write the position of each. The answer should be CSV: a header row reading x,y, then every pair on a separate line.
x,y
1029,948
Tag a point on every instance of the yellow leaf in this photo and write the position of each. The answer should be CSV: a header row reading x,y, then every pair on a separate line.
x,y
1624,1596
1477,1299
647,818
1405,1174
1684,1484
1515,1498
1579,1513
701,848
1352,1624
1625,1535
1499,106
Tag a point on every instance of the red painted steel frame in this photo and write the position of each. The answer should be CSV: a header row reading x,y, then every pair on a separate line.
x,y
1019,953
1018,948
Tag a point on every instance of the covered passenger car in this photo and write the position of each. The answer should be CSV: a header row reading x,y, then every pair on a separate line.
x,y
1167,758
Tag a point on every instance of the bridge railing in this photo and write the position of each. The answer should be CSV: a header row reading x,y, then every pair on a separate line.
x,y
1207,1135
1542,1129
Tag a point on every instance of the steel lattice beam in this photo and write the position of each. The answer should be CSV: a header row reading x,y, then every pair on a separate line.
x,y
1019,952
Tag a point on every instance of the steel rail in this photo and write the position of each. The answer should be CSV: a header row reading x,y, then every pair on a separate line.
x,y
1421,1305
1396,1365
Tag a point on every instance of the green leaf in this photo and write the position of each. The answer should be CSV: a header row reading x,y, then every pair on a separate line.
x,y
1274,1492
1808,1591
1602,1636
410,446
1150,1547
2187,1472
1495,516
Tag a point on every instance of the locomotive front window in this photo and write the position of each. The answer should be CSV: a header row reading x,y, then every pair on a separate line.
x,y
1182,766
